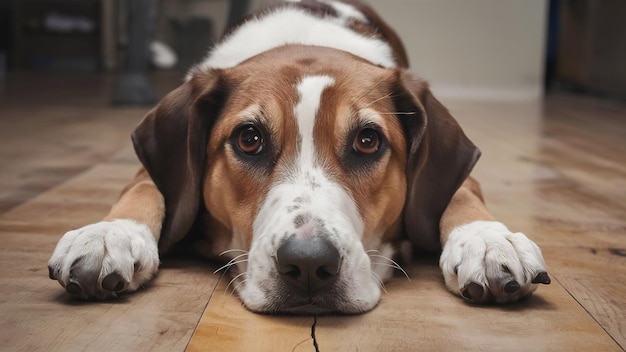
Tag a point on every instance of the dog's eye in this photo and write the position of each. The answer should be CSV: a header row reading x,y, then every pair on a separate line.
x,y
366,141
250,140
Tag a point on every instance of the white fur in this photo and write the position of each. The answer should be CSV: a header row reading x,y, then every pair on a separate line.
x,y
310,93
480,249
306,189
123,246
296,26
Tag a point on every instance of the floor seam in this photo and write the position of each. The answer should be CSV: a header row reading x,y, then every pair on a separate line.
x,y
205,308
315,344
589,313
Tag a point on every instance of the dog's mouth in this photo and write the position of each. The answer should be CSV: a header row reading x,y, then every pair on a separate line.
x,y
305,308
281,300
309,309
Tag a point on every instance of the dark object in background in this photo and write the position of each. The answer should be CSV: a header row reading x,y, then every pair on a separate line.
x,y
133,86
238,8
6,36
592,47
54,35
193,42
193,37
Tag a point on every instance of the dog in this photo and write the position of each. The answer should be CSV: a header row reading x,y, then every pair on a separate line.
x,y
304,152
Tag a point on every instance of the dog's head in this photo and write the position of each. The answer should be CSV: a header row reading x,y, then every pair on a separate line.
x,y
312,161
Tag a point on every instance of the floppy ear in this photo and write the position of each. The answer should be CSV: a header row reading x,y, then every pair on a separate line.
x,y
440,158
171,144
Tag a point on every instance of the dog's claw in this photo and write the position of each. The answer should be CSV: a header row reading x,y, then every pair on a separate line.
x,y
114,282
542,278
73,289
512,287
51,273
473,291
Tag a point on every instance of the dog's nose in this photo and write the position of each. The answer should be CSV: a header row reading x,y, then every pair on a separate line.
x,y
308,265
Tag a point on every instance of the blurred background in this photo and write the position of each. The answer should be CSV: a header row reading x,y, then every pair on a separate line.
x,y
486,49
538,85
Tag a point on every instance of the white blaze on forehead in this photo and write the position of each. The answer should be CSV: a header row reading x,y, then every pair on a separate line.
x,y
310,91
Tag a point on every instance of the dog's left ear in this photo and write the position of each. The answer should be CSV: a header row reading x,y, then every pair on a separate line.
x,y
440,158
171,144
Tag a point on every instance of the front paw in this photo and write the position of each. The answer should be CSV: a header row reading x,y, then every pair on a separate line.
x,y
104,259
485,262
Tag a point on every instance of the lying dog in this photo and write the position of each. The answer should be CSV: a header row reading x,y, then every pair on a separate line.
x,y
304,151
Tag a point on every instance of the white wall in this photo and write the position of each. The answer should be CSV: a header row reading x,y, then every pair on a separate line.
x,y
473,48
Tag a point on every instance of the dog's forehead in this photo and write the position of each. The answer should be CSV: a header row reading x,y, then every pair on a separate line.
x,y
284,66
295,90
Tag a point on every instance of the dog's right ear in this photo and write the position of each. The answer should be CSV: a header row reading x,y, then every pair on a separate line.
x,y
440,158
171,144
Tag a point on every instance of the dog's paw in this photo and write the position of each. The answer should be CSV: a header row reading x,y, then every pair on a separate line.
x,y
104,259
485,262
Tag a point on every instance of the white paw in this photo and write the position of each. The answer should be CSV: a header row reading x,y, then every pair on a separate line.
x,y
485,262
104,259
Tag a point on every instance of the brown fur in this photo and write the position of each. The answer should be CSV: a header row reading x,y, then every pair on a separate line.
x,y
140,201
466,206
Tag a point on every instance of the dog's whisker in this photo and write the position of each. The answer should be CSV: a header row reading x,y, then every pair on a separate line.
x,y
237,286
382,79
380,282
233,250
229,264
385,258
233,280
392,263
388,95
377,100
237,257
395,267
398,113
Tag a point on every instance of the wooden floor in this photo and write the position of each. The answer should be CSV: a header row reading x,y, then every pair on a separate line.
x,y
555,170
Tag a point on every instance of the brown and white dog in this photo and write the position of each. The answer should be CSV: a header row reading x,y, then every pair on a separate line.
x,y
304,151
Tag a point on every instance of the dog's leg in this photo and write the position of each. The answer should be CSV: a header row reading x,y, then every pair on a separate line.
x,y
115,255
482,260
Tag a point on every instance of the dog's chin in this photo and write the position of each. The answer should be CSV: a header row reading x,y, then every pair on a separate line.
x,y
310,310
328,304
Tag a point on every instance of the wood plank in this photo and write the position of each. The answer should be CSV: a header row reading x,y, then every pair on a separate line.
x,y
421,315
61,145
36,312
414,315
227,326
54,126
